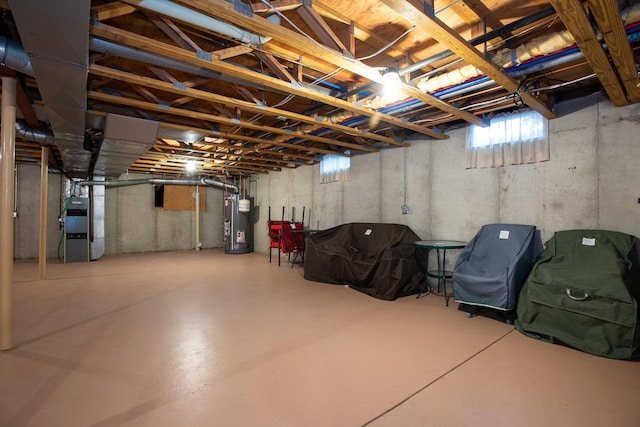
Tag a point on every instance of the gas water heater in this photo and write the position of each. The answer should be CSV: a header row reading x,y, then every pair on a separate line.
x,y
238,224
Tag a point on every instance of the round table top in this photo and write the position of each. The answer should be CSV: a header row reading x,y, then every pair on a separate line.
x,y
440,244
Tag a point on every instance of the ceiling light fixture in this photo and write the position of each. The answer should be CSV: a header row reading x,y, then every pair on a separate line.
x,y
391,82
190,167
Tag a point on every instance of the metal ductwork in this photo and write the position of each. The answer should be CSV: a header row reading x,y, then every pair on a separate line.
x,y
42,137
125,140
114,49
54,34
12,55
191,17
207,182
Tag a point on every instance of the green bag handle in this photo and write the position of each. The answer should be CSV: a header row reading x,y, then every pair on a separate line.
x,y
584,296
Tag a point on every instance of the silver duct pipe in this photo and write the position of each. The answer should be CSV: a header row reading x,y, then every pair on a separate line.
x,y
192,17
114,49
208,182
42,137
12,55
109,48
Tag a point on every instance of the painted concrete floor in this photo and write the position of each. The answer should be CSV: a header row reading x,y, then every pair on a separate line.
x,y
208,339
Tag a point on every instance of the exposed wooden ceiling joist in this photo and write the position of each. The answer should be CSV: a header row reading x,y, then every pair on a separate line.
x,y
118,100
462,48
318,72
134,40
574,16
225,11
607,17
248,106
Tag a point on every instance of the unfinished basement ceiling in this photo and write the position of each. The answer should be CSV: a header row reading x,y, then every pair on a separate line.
x,y
253,87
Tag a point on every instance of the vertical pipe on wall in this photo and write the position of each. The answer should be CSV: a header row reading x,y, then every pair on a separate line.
x,y
44,193
7,181
197,196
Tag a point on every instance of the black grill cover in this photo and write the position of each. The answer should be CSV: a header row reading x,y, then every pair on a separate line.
x,y
379,260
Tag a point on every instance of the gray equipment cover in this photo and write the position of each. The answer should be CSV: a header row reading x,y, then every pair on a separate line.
x,y
494,265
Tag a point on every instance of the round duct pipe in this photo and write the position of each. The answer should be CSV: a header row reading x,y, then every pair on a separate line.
x,y
189,181
192,17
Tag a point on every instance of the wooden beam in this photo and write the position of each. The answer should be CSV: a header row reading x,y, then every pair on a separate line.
x,y
610,25
575,18
454,42
255,148
364,35
226,11
258,142
174,32
113,10
320,28
150,45
279,5
22,100
231,52
254,107
118,100
213,155
472,12
277,68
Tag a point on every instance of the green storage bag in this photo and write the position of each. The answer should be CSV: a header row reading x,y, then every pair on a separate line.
x,y
583,292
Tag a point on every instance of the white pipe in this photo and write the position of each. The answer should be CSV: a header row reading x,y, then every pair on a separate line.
x,y
192,17
197,197
44,191
98,199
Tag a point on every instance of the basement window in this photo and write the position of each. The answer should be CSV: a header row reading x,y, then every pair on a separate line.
x,y
334,168
512,138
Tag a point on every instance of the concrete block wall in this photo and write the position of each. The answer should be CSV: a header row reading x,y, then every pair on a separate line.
x,y
591,181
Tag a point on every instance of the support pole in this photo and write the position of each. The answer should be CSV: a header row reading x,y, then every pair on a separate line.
x,y
7,191
44,191
197,196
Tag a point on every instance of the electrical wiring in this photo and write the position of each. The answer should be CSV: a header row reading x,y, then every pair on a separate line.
x,y
485,103
559,85
315,82
382,49
280,14
547,23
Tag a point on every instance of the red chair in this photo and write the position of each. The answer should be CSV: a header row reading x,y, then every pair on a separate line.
x,y
286,236
293,240
276,233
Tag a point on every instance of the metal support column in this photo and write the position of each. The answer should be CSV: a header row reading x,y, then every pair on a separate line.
x,y
7,190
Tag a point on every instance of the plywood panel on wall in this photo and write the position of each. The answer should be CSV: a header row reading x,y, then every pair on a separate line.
x,y
181,198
